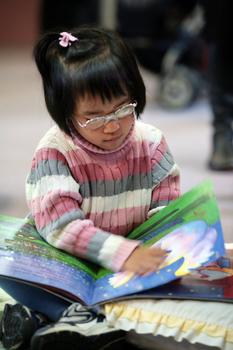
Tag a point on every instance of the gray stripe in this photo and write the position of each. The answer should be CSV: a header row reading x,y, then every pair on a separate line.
x,y
47,168
162,168
62,221
157,204
110,187
95,245
105,188
91,188
131,183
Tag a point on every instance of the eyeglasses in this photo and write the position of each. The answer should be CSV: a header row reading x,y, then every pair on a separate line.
x,y
121,113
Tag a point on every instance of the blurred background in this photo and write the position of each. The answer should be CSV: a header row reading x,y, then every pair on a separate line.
x,y
174,58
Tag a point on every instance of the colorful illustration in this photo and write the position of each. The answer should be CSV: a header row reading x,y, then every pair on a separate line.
x,y
189,229
193,242
216,270
213,281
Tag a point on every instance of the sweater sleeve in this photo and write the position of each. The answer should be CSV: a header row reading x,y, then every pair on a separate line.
x,y
55,203
165,177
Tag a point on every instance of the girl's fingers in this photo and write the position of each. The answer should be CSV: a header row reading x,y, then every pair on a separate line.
x,y
144,260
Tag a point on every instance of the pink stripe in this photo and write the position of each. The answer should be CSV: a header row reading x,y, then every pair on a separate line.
x,y
124,250
121,221
77,237
84,169
50,207
48,216
46,154
93,172
46,210
51,198
83,239
168,189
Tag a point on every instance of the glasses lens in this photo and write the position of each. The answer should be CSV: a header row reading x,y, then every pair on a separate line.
x,y
124,111
100,121
95,123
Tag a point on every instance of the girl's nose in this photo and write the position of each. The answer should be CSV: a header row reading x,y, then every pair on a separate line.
x,y
111,126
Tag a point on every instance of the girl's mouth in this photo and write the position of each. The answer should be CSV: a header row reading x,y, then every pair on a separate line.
x,y
114,139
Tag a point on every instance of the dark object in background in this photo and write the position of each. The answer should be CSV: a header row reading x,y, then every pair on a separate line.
x,y
165,37
67,14
151,26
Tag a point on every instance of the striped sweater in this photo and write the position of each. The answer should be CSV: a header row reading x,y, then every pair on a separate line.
x,y
85,200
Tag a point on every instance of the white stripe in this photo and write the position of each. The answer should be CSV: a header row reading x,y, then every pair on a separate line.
x,y
148,132
175,170
122,201
109,248
50,141
55,237
50,183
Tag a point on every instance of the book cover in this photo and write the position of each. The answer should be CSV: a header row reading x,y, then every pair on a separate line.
x,y
189,229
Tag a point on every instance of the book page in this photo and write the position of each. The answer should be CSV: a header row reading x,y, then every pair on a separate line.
x,y
26,256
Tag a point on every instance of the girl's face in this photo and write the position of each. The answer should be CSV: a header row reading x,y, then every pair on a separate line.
x,y
111,135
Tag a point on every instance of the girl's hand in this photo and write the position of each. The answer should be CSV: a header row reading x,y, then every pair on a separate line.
x,y
144,260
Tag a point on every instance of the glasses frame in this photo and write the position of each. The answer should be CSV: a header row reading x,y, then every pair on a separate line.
x,y
108,118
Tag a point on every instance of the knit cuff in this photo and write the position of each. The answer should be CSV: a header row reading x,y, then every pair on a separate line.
x,y
125,249
104,248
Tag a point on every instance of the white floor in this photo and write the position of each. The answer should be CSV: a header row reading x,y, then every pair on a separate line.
x,y
24,120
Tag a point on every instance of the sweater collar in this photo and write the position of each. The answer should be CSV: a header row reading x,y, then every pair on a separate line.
x,y
86,145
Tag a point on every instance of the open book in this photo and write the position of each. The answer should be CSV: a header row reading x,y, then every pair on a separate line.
x,y
189,229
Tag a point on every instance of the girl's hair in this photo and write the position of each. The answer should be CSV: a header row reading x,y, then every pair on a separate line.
x,y
100,63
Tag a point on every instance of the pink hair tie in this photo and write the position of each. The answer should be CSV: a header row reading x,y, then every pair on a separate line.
x,y
66,38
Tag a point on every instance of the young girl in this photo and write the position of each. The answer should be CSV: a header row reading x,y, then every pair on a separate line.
x,y
96,176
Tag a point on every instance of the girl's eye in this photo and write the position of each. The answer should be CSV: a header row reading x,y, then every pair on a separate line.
x,y
93,117
88,119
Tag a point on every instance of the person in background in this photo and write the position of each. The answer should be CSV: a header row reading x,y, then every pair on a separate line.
x,y
150,24
219,33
